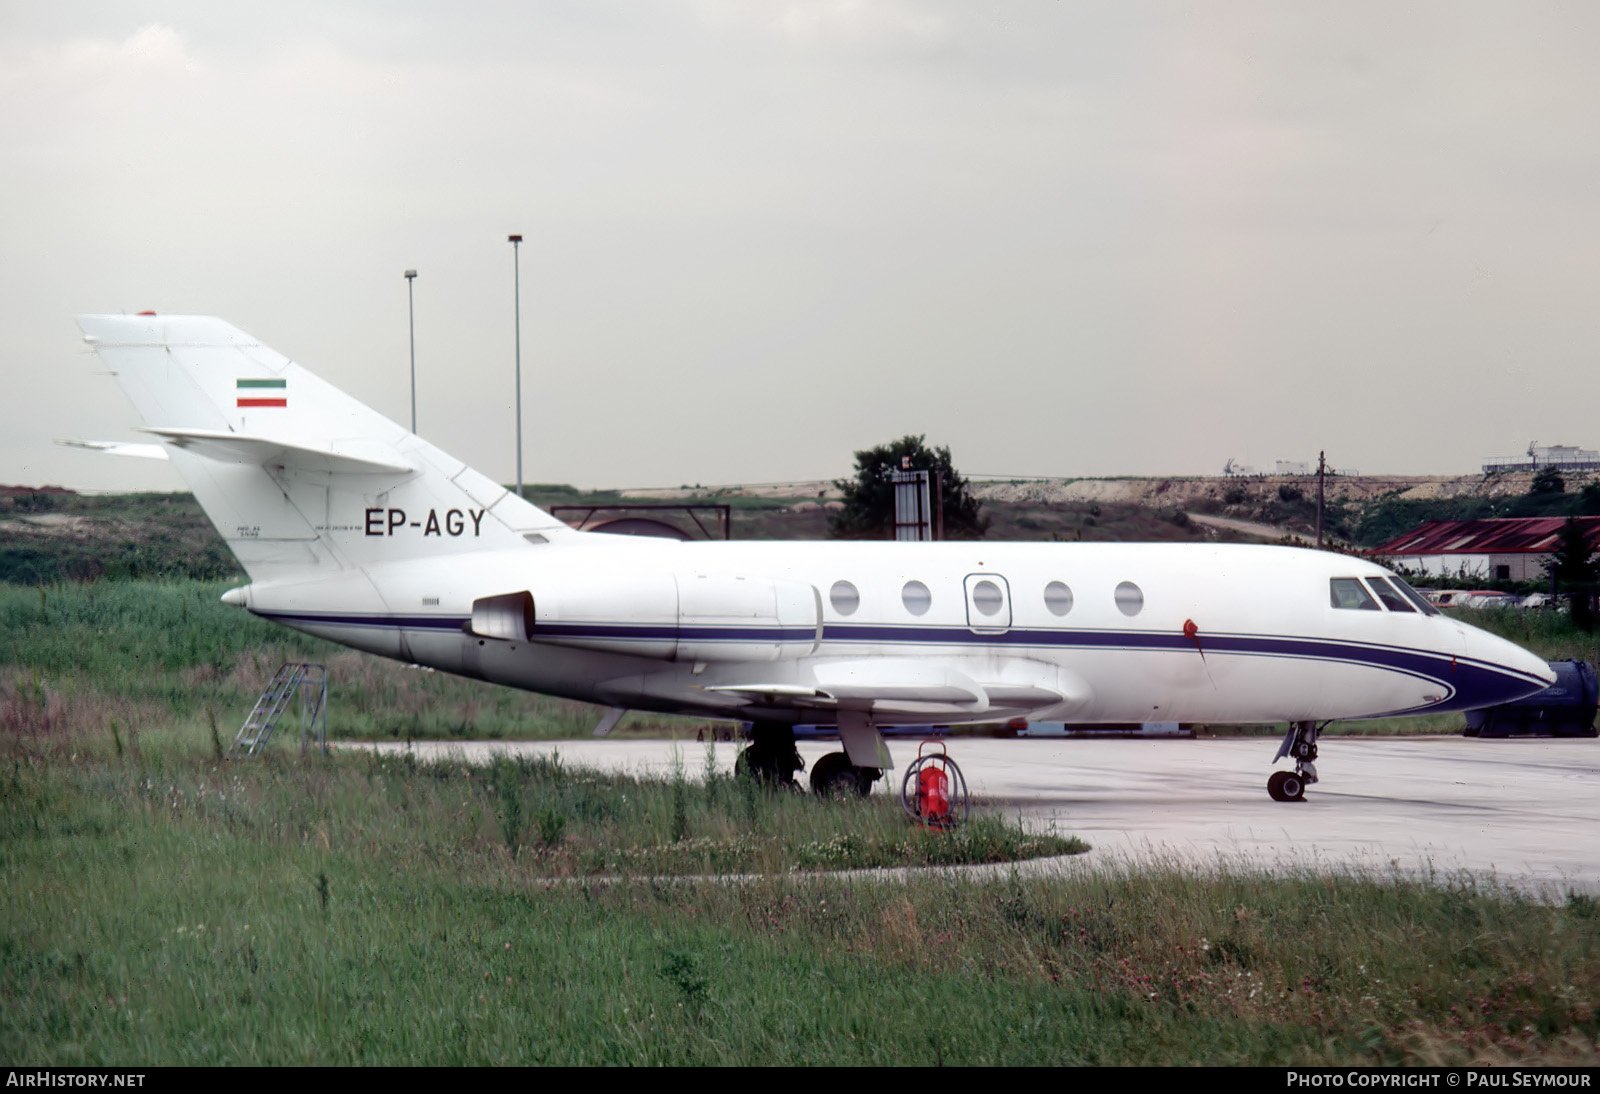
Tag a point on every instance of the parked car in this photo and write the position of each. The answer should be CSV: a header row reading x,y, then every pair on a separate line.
x,y
1486,598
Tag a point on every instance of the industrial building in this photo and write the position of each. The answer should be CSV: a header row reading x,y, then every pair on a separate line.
x,y
1506,549
1565,456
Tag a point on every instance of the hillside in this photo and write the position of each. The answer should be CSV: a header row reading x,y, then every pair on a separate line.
x,y
49,534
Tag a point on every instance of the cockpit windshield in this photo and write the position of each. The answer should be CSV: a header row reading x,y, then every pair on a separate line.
x,y
1415,597
1352,594
1389,595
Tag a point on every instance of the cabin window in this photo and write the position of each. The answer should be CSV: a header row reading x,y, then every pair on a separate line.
x,y
916,597
1130,599
1347,592
987,597
844,598
1389,595
1058,598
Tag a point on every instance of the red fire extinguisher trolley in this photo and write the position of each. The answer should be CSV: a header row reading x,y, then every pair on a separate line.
x,y
934,792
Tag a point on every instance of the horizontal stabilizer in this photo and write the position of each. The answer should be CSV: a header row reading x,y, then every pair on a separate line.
x,y
120,448
349,457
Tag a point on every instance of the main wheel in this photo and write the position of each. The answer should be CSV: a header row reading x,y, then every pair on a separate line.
x,y
1286,786
835,776
771,760
765,768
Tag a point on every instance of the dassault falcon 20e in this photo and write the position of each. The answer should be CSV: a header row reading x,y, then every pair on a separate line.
x,y
356,530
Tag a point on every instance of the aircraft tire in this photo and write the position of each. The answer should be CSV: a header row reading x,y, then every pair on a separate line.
x,y
764,767
835,776
1286,786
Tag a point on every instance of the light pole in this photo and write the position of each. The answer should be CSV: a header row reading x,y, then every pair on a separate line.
x,y
411,311
516,274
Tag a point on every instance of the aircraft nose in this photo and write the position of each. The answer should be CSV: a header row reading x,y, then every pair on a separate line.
x,y
1516,671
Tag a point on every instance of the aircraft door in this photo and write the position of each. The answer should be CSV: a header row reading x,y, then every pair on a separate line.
x,y
988,603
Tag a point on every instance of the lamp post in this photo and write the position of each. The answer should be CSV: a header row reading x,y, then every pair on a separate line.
x,y
516,273
411,311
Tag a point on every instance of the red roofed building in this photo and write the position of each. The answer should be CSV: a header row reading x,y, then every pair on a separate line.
x,y
1511,548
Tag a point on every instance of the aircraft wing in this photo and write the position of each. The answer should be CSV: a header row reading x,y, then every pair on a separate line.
x,y
914,684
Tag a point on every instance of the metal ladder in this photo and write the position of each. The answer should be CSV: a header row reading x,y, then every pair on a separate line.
x,y
305,679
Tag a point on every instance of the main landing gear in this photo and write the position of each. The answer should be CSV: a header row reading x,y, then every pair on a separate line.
x,y
834,776
1300,743
771,760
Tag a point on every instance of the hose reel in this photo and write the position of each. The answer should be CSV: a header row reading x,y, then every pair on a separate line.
x,y
934,792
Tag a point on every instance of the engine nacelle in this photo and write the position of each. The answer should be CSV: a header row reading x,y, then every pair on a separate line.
x,y
673,617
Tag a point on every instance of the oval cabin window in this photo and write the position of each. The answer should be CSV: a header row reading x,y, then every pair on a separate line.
x,y
987,597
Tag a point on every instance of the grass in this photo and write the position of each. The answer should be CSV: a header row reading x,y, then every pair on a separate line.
x,y
160,908
74,656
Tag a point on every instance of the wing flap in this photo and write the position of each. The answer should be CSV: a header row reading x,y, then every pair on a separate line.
x,y
905,684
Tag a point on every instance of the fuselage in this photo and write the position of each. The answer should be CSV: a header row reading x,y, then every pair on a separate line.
x,y
954,631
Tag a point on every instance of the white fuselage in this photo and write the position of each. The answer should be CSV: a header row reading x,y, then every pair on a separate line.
x,y
764,631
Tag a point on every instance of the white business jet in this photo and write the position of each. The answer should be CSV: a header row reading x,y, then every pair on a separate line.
x,y
355,530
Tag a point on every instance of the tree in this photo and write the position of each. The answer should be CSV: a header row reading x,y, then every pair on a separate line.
x,y
1574,570
1548,480
868,511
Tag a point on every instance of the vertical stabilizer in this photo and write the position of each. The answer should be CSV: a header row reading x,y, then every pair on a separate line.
x,y
299,478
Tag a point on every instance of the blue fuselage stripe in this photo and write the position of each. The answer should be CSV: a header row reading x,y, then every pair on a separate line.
x,y
1245,644
1467,682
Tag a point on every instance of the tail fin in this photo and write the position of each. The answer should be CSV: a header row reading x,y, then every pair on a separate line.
x,y
297,476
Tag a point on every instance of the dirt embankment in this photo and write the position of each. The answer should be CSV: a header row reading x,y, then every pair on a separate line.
x,y
1176,492
1181,492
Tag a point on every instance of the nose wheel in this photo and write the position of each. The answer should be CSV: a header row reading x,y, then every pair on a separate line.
x,y
1300,745
1286,786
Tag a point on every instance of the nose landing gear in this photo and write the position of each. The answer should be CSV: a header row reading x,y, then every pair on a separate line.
x,y
1300,743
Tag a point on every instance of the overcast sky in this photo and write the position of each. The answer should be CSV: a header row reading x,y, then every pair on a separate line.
x,y
1061,238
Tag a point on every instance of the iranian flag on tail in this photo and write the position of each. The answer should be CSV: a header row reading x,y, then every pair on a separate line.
x,y
263,392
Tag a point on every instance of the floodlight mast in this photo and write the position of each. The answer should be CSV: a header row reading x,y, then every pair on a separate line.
x,y
411,311
516,274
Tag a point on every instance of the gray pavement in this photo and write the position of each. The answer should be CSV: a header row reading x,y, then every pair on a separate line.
x,y
1522,812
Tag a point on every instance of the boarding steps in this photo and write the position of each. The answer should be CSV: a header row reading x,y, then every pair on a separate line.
x,y
294,679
